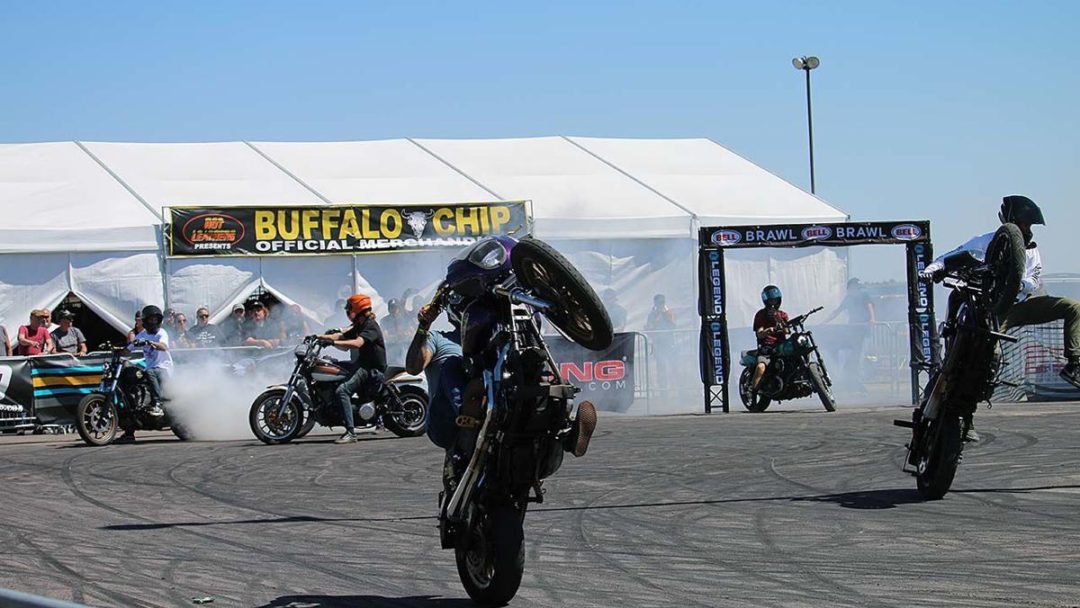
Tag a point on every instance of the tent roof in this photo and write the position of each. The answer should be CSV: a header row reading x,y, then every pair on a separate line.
x,y
109,196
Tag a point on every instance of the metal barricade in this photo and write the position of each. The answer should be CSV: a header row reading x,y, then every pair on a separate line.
x,y
1033,364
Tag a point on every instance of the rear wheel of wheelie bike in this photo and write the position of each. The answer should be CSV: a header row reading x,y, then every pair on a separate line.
x,y
409,417
817,378
936,467
96,419
578,311
491,557
750,400
1007,257
268,425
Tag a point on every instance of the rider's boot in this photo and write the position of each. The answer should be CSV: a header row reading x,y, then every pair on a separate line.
x,y
577,441
1071,373
155,409
970,436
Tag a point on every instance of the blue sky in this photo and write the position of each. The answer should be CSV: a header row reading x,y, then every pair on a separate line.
x,y
922,110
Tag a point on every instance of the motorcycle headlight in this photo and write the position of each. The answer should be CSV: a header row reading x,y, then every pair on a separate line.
x,y
139,374
804,342
105,367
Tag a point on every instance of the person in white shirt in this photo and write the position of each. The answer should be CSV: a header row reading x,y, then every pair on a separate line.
x,y
154,342
1033,305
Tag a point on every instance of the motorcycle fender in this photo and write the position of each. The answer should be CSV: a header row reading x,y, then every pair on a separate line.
x,y
296,395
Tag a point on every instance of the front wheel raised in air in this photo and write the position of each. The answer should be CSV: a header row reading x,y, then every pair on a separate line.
x,y
752,401
490,556
406,416
941,453
96,419
817,378
271,423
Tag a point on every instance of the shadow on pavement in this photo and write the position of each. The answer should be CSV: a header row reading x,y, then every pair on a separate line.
x,y
365,601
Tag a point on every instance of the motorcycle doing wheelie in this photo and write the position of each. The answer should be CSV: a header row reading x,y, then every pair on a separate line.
x,y
121,401
289,411
517,413
969,373
795,370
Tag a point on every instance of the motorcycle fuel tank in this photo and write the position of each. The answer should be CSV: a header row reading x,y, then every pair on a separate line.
x,y
328,372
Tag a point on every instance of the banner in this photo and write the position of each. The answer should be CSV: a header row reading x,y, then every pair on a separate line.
x,y
16,393
59,383
338,229
605,377
796,235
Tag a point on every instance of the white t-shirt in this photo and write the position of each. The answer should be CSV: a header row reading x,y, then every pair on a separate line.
x,y
156,359
1030,285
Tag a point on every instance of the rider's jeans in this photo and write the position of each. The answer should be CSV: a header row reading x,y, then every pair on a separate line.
x,y
365,383
446,399
156,377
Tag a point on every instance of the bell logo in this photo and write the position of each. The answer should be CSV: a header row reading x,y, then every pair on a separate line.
x,y
726,237
816,233
906,232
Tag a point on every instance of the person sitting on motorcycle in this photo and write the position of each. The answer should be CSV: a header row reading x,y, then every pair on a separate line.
x,y
154,341
367,350
1033,306
770,328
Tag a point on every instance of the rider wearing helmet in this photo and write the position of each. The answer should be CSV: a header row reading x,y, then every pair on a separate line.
x,y
770,328
367,350
1033,306
154,342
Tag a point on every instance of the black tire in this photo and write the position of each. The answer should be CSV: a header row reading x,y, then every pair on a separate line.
x,y
578,312
752,402
491,557
817,378
276,429
414,404
309,423
182,432
1007,257
934,471
96,419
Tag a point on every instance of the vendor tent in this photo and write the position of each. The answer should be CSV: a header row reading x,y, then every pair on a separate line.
x,y
86,217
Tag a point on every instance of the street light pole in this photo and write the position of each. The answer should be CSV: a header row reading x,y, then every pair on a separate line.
x,y
806,64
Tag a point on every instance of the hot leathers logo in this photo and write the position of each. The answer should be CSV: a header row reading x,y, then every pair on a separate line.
x,y
605,377
345,229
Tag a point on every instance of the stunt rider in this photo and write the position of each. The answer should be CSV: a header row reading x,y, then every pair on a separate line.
x,y
1033,306
367,351
770,328
154,342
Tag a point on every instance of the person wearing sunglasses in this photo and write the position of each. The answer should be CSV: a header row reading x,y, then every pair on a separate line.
x,y
204,334
34,338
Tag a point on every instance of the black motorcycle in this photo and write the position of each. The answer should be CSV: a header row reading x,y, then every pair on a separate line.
x,y
517,406
121,401
969,373
795,370
289,411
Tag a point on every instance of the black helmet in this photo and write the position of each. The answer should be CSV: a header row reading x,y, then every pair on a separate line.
x,y
771,293
152,311
1016,208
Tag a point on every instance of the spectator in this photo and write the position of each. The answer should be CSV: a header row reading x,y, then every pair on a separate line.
x,y
181,329
259,331
170,321
294,324
397,331
232,329
205,334
661,319
5,342
34,338
851,344
138,327
67,338
616,312
408,302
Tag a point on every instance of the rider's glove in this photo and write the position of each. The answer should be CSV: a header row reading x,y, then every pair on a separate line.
x,y
932,271
325,342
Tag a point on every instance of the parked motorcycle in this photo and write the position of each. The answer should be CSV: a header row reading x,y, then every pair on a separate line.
x,y
496,291
795,370
121,401
972,361
285,412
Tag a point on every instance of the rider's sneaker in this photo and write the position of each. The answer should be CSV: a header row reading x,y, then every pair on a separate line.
x,y
1071,373
155,410
586,424
970,435
346,437
125,438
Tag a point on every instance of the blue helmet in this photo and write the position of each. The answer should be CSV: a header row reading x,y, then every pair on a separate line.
x,y
771,296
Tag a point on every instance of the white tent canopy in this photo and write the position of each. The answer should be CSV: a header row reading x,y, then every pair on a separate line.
x,y
86,217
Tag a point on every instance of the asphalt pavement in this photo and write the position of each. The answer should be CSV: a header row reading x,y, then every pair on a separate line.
x,y
785,508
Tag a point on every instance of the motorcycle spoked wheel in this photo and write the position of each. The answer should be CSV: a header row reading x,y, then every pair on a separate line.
x,y
752,402
578,312
490,555
270,428
1007,257
309,423
941,452
411,418
817,378
96,420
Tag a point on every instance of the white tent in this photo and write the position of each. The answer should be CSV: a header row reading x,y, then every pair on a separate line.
x,y
86,217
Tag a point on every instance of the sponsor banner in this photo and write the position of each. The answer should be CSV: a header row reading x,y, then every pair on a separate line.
x,y
339,229
16,392
712,284
795,235
59,383
605,377
921,321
